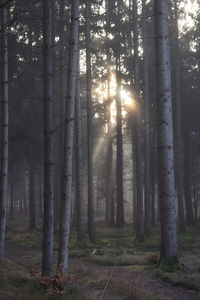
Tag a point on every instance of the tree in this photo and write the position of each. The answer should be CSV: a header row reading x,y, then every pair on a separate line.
x,y
188,177
136,129
178,125
47,255
32,208
68,141
32,200
79,161
165,134
91,223
4,128
119,169
147,172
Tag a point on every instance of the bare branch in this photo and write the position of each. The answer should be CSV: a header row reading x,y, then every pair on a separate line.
x,y
8,24
5,3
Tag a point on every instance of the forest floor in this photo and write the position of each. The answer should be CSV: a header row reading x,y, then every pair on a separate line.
x,y
116,267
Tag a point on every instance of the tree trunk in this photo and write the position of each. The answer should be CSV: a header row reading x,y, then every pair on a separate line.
x,y
119,169
47,255
109,156
147,178
91,223
165,134
62,93
79,161
32,216
4,130
40,183
178,127
137,130
12,194
188,179
68,141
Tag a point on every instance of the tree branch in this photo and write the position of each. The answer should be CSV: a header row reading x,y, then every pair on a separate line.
x,y
8,24
5,3
8,295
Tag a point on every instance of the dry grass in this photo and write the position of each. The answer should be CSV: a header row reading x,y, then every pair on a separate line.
x,y
136,291
17,283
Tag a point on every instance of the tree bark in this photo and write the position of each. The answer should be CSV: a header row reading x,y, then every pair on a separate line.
x,y
4,130
91,223
178,127
12,194
137,138
188,179
47,255
32,215
147,172
79,161
165,134
119,169
68,141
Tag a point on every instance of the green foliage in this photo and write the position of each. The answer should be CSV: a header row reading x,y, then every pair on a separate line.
x,y
28,238
122,260
187,280
169,264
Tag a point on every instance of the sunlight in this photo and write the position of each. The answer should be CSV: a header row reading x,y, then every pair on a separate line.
x,y
98,148
127,100
113,84
113,112
189,9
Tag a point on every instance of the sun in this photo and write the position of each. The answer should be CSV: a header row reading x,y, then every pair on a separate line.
x,y
105,90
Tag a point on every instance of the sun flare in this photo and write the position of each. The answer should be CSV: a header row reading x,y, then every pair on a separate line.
x,y
109,89
188,12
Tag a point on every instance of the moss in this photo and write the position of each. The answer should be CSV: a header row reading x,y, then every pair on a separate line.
x,y
123,260
190,281
169,264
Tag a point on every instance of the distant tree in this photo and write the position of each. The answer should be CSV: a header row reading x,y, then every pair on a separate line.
x,y
79,161
32,204
91,223
188,176
47,258
119,168
137,138
4,127
119,136
147,146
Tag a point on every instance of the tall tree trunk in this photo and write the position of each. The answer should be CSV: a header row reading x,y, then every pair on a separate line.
x,y
62,91
47,254
109,158
194,176
32,210
40,186
68,141
119,169
165,134
178,126
137,130
79,161
147,178
91,223
188,179
12,194
4,130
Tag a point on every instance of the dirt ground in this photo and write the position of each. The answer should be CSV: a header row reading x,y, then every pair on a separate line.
x,y
107,282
